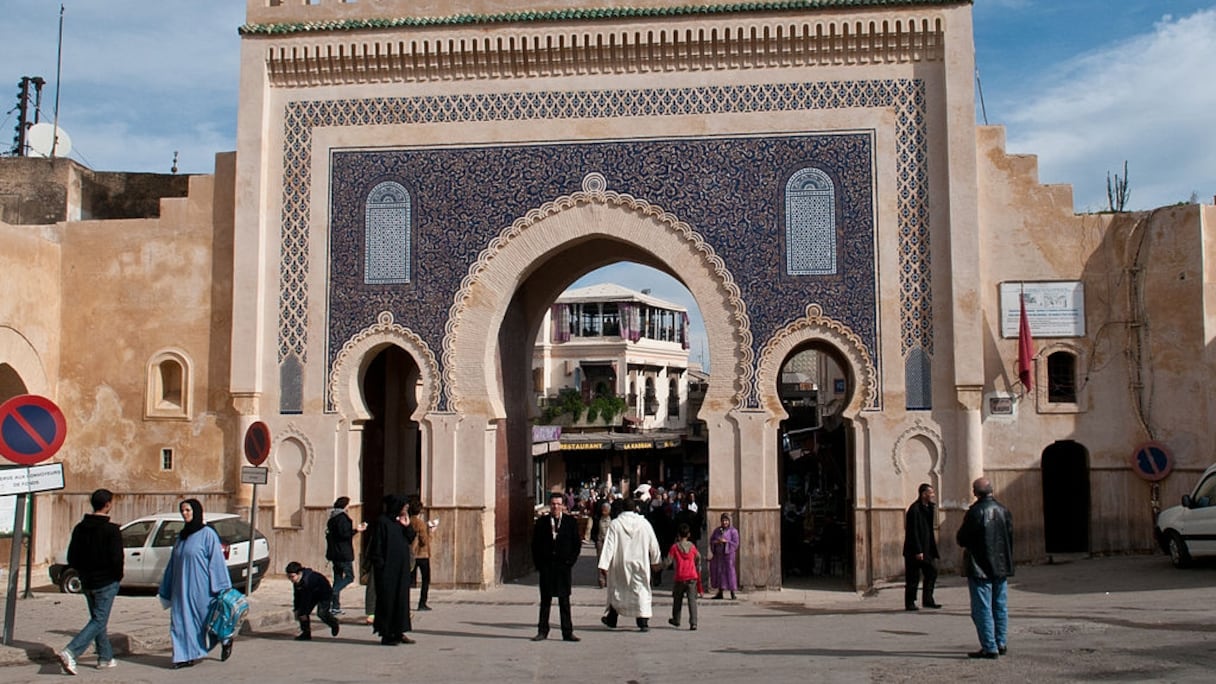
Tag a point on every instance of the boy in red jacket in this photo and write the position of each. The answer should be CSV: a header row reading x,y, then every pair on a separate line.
x,y
687,561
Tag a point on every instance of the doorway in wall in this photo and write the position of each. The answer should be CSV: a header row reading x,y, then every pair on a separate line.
x,y
815,467
392,448
1065,471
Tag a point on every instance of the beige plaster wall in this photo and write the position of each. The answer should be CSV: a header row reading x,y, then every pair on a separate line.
x,y
1030,233
131,289
30,258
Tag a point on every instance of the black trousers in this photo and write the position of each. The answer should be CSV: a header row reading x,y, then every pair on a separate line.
x,y
563,608
913,569
422,565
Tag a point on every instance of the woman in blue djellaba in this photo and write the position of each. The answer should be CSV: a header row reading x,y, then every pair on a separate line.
x,y
195,575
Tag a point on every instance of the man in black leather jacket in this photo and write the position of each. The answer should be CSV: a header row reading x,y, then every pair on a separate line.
x,y
986,537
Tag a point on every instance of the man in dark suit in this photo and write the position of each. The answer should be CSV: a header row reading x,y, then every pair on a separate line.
x,y
555,548
920,548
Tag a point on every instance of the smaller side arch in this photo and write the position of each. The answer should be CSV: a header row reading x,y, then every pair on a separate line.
x,y
19,354
814,326
345,391
919,431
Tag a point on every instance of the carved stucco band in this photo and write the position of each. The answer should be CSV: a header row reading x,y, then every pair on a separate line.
x,y
927,432
594,192
345,394
816,326
294,434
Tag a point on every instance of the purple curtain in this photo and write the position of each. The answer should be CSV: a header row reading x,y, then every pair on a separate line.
x,y
631,322
561,323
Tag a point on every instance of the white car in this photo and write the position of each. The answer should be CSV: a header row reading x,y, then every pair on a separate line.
x,y
1189,530
148,541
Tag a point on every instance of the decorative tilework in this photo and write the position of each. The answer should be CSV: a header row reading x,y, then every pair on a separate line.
x,y
918,380
386,244
810,224
538,183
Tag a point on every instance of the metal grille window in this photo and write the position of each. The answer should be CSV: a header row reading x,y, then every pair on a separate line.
x,y
1062,378
387,235
810,223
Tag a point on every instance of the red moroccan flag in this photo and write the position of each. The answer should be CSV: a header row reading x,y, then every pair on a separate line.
x,y
1025,349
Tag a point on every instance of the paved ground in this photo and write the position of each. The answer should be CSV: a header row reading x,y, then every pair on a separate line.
x,y
1113,619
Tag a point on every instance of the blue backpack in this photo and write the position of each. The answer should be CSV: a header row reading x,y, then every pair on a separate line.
x,y
228,610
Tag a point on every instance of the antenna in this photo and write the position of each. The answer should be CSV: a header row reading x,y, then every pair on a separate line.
x,y
980,87
58,71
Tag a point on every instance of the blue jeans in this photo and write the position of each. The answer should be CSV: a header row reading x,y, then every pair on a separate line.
x,y
100,601
989,612
344,574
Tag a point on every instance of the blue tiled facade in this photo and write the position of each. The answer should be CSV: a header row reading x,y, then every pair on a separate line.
x,y
729,189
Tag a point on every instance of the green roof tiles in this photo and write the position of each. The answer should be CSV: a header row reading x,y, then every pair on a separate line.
x,y
578,14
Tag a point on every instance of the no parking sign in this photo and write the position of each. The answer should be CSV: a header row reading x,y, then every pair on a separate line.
x,y
1152,461
31,429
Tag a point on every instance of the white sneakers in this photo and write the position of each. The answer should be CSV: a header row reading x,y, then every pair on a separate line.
x,y
67,661
106,664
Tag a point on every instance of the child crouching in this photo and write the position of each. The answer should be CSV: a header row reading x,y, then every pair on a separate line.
x,y
311,590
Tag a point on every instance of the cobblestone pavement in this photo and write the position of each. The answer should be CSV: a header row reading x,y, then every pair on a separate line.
x,y
1131,618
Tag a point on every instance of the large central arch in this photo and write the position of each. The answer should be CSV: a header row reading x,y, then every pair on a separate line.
x,y
470,367
495,313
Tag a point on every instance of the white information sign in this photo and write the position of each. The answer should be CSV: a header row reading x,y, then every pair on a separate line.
x,y
1053,309
25,480
254,475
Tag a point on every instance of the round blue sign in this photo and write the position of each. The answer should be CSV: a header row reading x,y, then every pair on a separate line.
x,y
1152,461
31,429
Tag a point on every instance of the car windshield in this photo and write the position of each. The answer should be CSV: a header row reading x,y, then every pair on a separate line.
x,y
135,534
233,530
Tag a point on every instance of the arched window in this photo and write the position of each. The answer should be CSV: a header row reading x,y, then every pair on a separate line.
x,y
1062,378
386,248
810,223
168,386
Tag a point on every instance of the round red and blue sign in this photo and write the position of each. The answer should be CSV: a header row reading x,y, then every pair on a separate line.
x,y
257,443
31,429
1152,461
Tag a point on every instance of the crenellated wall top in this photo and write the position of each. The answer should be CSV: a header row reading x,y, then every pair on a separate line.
x,y
297,16
324,53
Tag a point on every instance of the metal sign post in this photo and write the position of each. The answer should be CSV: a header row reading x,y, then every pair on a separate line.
x,y
14,564
32,429
257,448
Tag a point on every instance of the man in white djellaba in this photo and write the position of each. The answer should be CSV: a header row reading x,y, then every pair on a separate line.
x,y
631,550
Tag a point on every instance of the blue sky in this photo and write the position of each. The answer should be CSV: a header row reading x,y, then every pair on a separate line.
x,y
1083,84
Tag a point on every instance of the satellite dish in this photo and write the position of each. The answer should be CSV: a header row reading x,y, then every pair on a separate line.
x,y
41,140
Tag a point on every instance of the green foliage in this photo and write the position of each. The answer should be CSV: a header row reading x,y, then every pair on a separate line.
x,y
606,407
1116,191
570,402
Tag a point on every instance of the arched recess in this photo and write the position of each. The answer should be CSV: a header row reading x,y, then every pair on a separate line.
x,y
470,365
832,552
816,327
17,353
917,444
345,379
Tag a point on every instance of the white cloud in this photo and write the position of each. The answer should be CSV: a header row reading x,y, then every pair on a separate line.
x,y
1148,100
140,79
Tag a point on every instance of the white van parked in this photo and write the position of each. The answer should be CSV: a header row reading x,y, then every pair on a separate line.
x,y
1189,530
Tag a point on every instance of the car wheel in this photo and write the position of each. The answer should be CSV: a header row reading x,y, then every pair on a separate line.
x,y
1179,555
69,581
